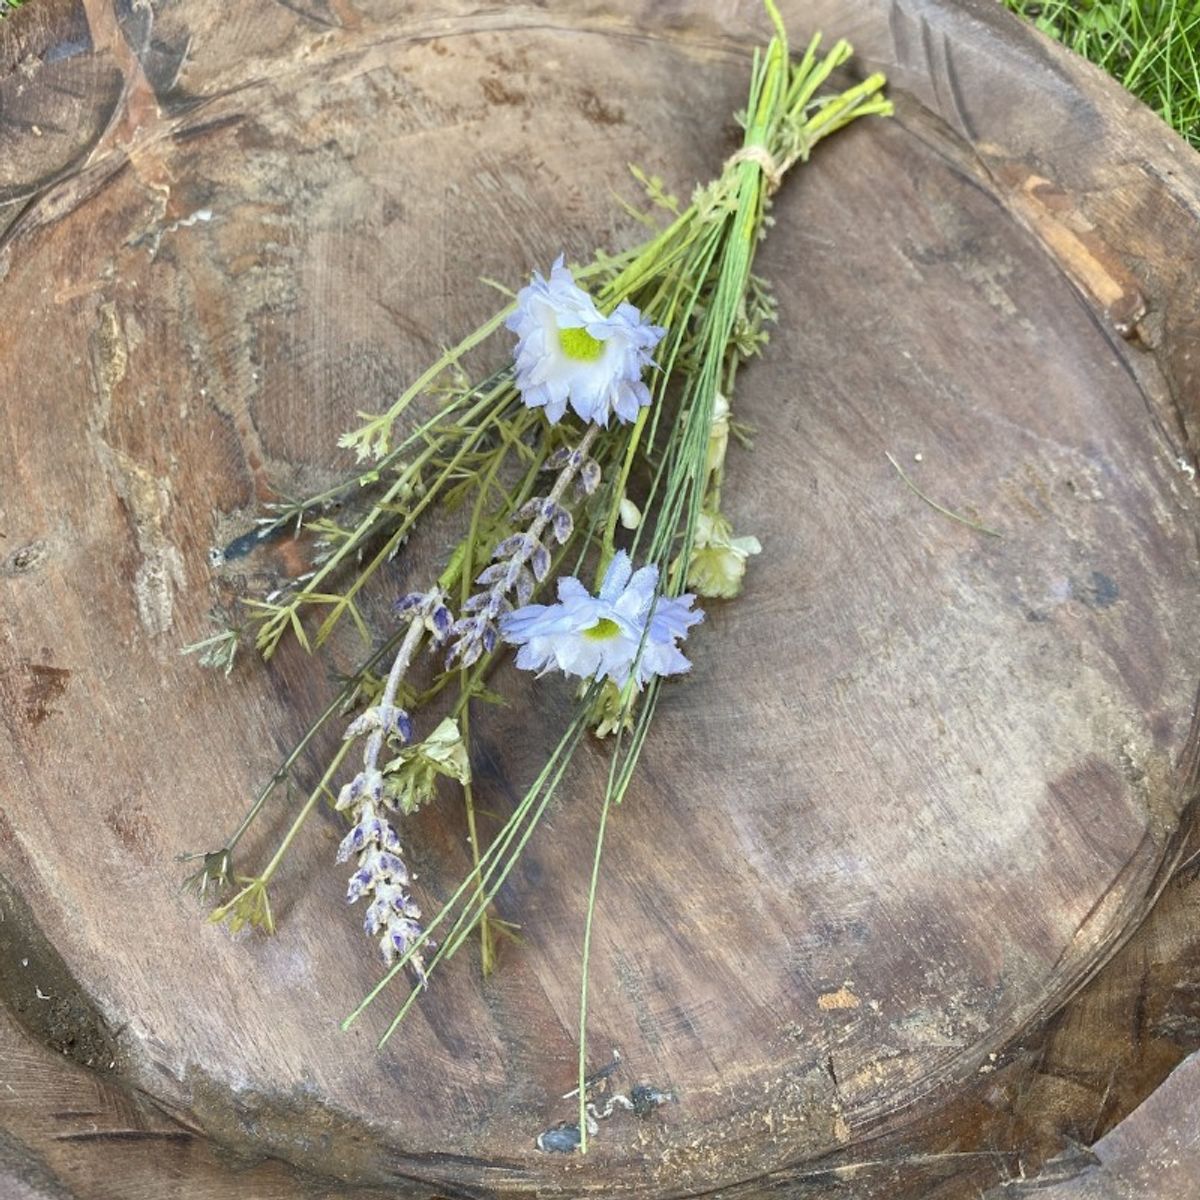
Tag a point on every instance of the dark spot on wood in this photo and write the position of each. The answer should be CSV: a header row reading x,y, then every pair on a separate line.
x,y
67,48
128,825
1161,727
42,685
393,210
598,111
1099,591
26,559
498,92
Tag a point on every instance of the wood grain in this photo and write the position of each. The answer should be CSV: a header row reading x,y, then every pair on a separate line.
x,y
921,784
1152,1153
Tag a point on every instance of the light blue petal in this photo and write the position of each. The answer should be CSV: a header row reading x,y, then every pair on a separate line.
x,y
616,577
569,588
673,617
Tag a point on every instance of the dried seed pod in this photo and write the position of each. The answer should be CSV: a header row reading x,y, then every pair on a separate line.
x,y
513,545
539,560
562,525
589,477
493,574
525,585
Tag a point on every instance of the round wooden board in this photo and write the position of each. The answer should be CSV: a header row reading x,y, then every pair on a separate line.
x,y
921,782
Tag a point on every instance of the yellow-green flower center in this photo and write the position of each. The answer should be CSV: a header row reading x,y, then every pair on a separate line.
x,y
580,345
603,630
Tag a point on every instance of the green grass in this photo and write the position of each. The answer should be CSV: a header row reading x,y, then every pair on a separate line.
x,y
1152,47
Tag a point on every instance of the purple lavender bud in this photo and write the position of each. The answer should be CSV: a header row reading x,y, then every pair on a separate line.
x,y
404,933
380,832
558,459
575,458
361,724
525,586
539,560
374,918
516,544
471,652
352,843
473,604
530,509
399,725
589,477
493,574
563,525
442,620
392,865
360,881
373,784
409,603
489,639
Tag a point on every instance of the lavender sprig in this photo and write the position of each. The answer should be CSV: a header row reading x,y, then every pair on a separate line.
x,y
522,560
392,914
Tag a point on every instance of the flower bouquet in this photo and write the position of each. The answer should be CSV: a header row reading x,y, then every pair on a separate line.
x,y
587,474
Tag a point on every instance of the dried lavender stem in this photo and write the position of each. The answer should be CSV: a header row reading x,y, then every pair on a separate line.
x,y
381,872
565,476
521,560
400,665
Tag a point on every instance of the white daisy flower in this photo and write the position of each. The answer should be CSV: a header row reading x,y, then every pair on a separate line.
x,y
597,637
568,351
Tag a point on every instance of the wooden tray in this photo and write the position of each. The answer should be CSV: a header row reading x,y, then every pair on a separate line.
x,y
921,785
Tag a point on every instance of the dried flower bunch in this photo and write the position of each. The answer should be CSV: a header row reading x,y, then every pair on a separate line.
x,y
618,392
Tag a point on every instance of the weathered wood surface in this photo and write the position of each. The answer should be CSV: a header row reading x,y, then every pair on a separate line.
x,y
67,1132
1153,1153
921,784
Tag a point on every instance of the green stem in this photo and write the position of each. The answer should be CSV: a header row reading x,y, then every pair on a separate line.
x,y
259,883
610,527
331,709
303,814
583,984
